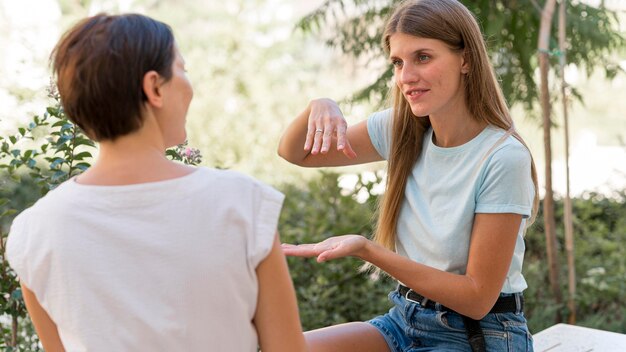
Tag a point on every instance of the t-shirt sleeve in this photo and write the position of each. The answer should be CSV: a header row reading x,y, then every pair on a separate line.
x,y
379,129
267,206
507,186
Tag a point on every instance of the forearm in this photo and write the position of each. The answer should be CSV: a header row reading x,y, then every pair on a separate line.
x,y
291,145
461,293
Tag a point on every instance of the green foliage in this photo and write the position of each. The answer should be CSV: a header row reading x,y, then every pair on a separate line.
x,y
600,234
510,27
34,160
336,291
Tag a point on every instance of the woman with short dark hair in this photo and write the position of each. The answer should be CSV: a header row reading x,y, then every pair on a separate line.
x,y
140,253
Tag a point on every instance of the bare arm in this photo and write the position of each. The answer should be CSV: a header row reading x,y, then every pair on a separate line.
x,y
320,136
276,318
472,294
45,327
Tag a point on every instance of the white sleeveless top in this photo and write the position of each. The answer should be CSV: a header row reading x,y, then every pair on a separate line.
x,y
162,266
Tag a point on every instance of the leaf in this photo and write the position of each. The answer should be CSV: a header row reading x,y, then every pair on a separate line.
x,y
82,166
83,141
83,155
58,123
56,162
8,212
66,126
16,294
54,111
62,140
59,174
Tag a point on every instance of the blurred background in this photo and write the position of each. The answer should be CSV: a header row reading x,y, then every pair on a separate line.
x,y
253,70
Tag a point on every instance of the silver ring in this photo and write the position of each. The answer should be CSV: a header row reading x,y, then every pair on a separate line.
x,y
319,130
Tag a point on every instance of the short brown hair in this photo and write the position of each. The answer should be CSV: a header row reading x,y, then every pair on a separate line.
x,y
99,66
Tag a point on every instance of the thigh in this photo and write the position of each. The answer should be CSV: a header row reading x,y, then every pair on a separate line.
x,y
507,332
357,336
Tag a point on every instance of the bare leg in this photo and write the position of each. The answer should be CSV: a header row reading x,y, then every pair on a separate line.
x,y
358,337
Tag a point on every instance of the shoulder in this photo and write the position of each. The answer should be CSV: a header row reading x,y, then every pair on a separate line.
x,y
382,114
380,118
511,151
237,183
47,208
506,148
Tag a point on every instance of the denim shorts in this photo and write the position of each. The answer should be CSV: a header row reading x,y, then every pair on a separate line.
x,y
408,327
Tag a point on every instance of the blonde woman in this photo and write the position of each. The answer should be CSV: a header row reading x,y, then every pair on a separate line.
x,y
460,193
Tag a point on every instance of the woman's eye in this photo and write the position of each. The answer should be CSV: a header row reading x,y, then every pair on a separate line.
x,y
396,63
423,58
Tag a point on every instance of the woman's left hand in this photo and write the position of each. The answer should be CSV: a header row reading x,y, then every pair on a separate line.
x,y
331,248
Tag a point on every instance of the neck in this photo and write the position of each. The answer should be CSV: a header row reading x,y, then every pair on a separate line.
x,y
138,157
455,127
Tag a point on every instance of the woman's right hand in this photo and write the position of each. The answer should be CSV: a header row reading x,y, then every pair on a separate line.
x,y
326,122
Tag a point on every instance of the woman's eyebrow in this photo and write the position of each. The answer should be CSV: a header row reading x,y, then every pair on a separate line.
x,y
414,53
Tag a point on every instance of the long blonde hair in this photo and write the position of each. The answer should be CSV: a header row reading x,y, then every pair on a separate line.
x,y
452,23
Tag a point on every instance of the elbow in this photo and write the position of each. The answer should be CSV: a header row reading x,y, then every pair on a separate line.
x,y
477,314
288,156
480,308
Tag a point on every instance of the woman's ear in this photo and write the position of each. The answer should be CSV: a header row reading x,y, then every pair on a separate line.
x,y
152,88
464,63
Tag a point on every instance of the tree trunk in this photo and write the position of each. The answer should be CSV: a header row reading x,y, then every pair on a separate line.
x,y
567,211
548,201
14,330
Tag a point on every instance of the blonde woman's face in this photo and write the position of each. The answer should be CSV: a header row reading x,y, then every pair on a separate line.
x,y
428,73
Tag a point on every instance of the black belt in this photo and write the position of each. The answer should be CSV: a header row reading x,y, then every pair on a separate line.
x,y
506,304
475,337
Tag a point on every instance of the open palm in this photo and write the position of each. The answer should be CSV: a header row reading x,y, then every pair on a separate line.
x,y
331,248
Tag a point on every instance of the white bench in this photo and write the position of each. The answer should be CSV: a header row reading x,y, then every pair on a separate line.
x,y
571,338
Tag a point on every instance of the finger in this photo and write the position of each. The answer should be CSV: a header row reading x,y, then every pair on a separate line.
x,y
310,134
348,151
303,250
317,140
330,254
341,136
327,138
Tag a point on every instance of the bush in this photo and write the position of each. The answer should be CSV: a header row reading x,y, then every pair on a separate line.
x,y
336,291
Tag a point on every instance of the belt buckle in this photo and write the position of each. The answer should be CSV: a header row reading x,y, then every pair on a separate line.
x,y
422,303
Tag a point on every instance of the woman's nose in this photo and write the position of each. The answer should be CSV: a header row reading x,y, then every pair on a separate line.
x,y
408,74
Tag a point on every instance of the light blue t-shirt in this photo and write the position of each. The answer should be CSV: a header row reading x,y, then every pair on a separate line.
x,y
447,186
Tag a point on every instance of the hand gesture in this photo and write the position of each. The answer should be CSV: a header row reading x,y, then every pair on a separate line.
x,y
331,248
325,123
